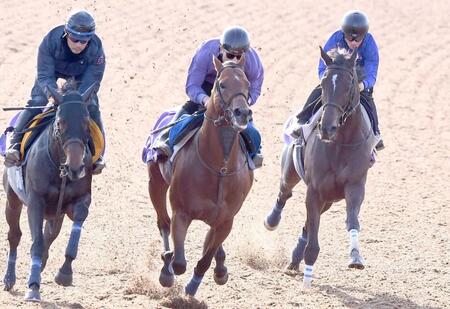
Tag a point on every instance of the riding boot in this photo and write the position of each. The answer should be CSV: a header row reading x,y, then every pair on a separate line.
x,y
162,147
95,115
312,104
367,98
12,156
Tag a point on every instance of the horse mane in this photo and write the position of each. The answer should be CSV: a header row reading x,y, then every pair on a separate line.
x,y
69,85
340,56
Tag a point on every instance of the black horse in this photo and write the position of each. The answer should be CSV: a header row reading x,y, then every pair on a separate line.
x,y
57,177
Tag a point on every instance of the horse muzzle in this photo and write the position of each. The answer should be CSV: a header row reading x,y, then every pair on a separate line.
x,y
327,133
240,118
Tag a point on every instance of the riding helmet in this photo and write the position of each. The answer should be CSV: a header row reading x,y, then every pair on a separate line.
x,y
80,25
355,23
235,40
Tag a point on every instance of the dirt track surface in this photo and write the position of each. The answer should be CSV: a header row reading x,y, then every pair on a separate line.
x,y
405,217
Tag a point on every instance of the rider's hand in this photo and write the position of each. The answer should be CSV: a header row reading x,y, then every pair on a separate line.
x,y
205,101
361,86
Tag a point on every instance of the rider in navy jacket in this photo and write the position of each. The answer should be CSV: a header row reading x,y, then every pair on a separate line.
x,y
68,51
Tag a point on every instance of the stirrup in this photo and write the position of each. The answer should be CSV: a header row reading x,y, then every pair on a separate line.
x,y
99,165
12,156
380,145
258,160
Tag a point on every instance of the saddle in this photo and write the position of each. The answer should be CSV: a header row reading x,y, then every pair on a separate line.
x,y
35,127
184,129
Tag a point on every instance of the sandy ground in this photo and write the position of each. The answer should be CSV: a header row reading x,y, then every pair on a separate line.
x,y
405,217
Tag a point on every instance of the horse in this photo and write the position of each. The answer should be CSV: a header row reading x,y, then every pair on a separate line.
x,y
57,175
209,181
336,156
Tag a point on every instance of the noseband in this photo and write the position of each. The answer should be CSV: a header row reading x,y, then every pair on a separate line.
x,y
348,109
225,118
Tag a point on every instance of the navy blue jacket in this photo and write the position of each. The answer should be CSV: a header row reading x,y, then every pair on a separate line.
x,y
368,57
55,60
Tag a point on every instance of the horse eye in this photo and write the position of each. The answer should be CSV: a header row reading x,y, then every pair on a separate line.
x,y
221,85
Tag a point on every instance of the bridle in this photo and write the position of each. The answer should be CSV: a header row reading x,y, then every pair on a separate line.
x,y
63,166
348,109
227,116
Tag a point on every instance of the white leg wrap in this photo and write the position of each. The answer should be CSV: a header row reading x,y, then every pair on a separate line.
x,y
307,276
354,243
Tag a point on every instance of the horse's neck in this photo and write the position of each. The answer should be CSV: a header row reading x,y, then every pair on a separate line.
x,y
353,129
219,144
53,145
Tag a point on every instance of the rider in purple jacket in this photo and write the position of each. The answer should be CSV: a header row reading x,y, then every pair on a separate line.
x,y
201,76
353,35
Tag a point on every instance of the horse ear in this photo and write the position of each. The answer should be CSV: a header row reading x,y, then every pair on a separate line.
x,y
217,63
55,94
241,61
87,94
327,59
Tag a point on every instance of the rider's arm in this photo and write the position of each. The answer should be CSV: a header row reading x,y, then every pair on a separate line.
x,y
371,60
196,76
96,67
46,65
255,74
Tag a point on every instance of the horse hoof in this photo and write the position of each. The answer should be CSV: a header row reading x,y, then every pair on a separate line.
x,y
293,267
357,265
221,280
166,278
63,279
9,282
307,283
33,294
269,226
356,261
179,268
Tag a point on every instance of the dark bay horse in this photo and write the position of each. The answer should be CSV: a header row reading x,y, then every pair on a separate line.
x,y
57,176
337,157
209,182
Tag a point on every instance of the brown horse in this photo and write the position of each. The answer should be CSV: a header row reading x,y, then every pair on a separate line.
x,y
336,160
209,179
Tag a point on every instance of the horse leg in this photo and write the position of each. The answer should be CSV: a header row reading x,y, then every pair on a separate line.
x,y
354,196
51,231
220,271
179,227
299,250
289,178
313,210
12,212
80,212
35,221
215,237
157,189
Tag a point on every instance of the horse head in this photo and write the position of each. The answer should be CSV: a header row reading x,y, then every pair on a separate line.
x,y
71,129
229,97
340,92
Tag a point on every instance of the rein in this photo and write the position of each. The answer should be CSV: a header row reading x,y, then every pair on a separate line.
x,y
348,110
227,116
63,174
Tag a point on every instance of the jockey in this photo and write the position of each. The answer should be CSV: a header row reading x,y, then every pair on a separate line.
x,y
233,43
68,51
352,35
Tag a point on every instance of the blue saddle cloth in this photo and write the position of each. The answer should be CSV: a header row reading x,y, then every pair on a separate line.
x,y
251,135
